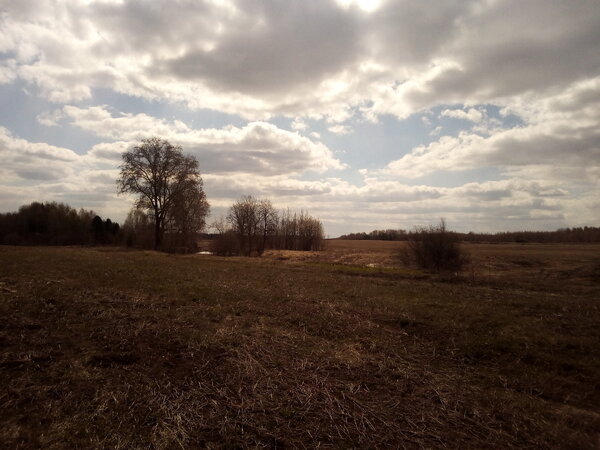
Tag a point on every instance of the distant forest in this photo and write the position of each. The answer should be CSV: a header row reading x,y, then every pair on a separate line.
x,y
54,223
577,234
251,227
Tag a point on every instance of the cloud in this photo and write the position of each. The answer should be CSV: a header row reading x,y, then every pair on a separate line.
x,y
472,115
88,180
560,137
298,125
436,131
258,147
304,58
51,118
269,50
31,171
335,62
340,129
24,160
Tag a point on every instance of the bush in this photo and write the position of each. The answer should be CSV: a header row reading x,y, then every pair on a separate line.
x,y
434,248
225,244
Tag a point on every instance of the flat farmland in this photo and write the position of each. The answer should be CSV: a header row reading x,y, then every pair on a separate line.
x,y
111,348
566,267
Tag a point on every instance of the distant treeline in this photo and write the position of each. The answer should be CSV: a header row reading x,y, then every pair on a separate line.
x,y
54,223
377,235
577,234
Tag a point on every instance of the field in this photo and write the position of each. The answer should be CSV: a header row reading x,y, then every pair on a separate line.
x,y
110,348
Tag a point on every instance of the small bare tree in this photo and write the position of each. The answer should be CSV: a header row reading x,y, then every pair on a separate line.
x,y
168,185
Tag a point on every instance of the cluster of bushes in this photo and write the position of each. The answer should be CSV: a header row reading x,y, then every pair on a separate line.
x,y
434,248
54,223
254,225
139,230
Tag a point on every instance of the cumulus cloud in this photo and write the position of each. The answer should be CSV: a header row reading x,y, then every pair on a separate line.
x,y
33,161
334,61
558,137
299,125
258,147
310,58
472,115
88,180
340,129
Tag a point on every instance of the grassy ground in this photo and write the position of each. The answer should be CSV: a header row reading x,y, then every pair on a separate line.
x,y
105,348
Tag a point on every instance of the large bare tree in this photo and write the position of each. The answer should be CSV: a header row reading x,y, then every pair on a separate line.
x,y
168,185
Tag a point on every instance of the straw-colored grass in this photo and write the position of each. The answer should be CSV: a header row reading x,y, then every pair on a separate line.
x,y
106,348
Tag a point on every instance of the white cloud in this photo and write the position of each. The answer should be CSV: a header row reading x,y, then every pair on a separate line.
x,y
299,125
316,60
258,147
51,118
24,160
340,129
436,131
89,181
472,115
308,58
562,136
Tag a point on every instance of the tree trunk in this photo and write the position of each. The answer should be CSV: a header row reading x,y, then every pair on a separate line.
x,y
157,234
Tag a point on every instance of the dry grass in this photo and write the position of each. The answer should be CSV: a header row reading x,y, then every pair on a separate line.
x,y
122,349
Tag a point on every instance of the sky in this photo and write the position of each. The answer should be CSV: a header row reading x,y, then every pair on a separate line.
x,y
368,114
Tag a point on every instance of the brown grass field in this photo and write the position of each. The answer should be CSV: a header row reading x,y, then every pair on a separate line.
x,y
110,348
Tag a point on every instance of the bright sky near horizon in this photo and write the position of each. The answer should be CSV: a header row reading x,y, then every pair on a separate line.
x,y
368,114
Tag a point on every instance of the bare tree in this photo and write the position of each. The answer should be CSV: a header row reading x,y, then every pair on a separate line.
x,y
187,216
309,232
167,182
244,219
255,225
268,222
288,230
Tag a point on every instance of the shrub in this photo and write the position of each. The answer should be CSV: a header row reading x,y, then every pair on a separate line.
x,y
225,244
435,248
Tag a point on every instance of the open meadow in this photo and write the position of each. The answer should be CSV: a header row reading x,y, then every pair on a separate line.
x,y
115,348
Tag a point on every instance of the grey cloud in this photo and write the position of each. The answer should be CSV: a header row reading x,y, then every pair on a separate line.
x,y
514,47
406,31
38,161
291,44
147,25
103,178
260,58
40,173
